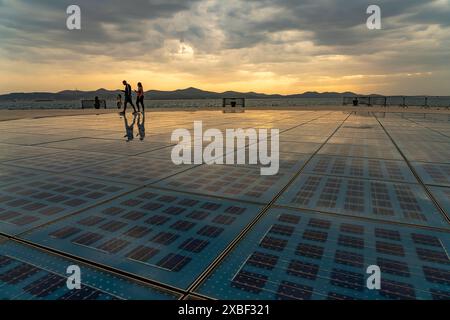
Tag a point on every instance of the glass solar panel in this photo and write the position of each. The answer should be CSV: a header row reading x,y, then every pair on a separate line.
x,y
367,198
30,139
413,261
442,195
298,147
27,273
235,181
426,151
10,175
386,170
63,161
433,173
29,203
109,146
171,235
13,152
365,151
167,243
142,170
292,137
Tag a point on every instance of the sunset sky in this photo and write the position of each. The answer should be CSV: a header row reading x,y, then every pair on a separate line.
x,y
271,46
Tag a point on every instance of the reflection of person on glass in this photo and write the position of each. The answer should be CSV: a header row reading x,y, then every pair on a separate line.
x,y
129,128
141,126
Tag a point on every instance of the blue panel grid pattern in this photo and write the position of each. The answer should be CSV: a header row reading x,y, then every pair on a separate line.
x,y
165,236
31,203
27,273
63,161
111,146
433,173
407,203
302,138
298,147
12,152
141,171
109,205
235,182
426,151
365,151
361,168
293,255
442,196
10,175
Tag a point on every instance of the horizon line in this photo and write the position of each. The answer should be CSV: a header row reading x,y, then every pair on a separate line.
x,y
217,92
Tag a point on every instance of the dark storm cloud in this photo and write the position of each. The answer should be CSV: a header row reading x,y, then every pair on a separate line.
x,y
336,23
42,23
243,23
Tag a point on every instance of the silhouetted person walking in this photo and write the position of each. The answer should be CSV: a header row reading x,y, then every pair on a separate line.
x,y
140,97
128,97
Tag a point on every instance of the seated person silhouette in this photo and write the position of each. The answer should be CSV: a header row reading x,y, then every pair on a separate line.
x,y
96,103
119,101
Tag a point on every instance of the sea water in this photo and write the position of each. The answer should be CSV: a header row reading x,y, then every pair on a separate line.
x,y
149,103
201,103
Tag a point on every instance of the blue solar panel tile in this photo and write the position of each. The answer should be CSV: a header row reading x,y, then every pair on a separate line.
x,y
171,237
375,169
286,136
303,269
235,182
293,291
63,161
29,139
413,261
173,262
397,290
442,195
167,242
12,152
367,198
137,171
426,151
298,147
108,146
10,175
433,173
263,260
365,151
249,281
30,203
418,135
27,273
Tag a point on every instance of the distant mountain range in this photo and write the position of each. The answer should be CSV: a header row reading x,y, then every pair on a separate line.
x,y
189,93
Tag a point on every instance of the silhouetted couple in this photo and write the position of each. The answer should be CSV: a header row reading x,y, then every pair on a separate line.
x,y
129,99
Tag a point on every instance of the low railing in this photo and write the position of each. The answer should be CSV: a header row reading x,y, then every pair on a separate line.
x,y
87,104
402,101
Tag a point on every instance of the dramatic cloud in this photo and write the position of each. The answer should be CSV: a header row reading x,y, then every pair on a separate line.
x,y
261,45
